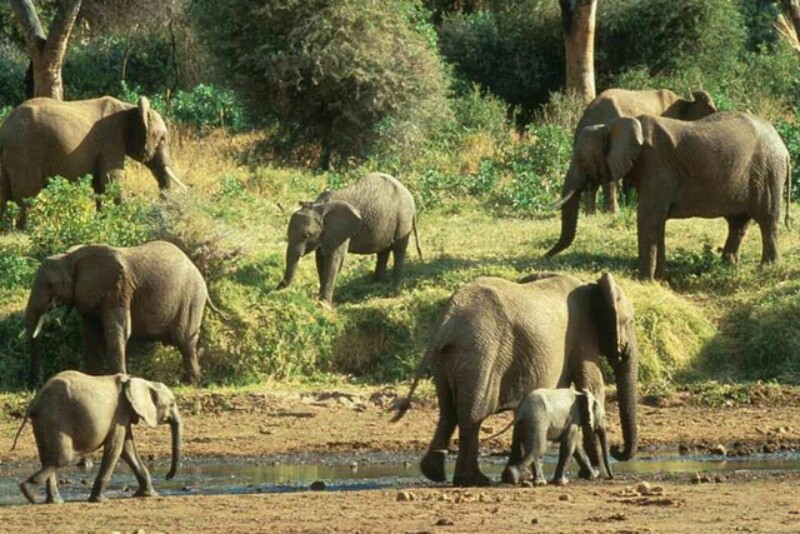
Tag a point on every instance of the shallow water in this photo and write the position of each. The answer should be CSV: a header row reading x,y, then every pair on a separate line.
x,y
347,472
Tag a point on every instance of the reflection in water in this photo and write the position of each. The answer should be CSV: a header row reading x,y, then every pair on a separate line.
x,y
340,472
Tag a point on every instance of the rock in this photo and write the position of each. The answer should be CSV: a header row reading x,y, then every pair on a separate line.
x,y
527,484
86,464
264,430
353,466
276,463
406,464
683,449
535,521
139,531
719,479
705,478
405,496
643,488
719,450
695,478
566,497
444,522
85,482
317,485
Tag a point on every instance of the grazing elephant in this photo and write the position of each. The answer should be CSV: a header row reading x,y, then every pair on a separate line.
x,y
75,414
375,215
546,415
152,292
499,340
43,137
729,164
612,104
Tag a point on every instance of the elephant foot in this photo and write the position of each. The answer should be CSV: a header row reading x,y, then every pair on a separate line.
x,y
559,481
588,474
56,499
98,498
432,466
146,492
23,486
539,481
471,480
511,475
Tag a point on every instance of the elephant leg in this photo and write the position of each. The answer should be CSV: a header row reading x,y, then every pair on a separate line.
x,y
432,464
590,377
5,192
650,230
39,477
769,241
737,227
116,330
380,266
610,204
567,448
22,219
468,473
590,199
131,457
93,344
331,264
51,485
111,453
319,259
399,251
191,367
586,470
661,253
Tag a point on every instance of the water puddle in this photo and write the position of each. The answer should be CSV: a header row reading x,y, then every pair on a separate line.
x,y
344,472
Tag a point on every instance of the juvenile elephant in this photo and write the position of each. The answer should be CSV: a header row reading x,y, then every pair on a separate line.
x,y
75,414
499,340
546,415
729,164
376,215
152,292
43,137
612,104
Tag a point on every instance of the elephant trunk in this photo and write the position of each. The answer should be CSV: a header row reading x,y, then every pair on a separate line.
x,y
38,306
292,258
625,373
176,426
569,223
601,435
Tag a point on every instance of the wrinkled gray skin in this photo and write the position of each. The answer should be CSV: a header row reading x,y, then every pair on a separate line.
x,y
374,216
43,137
74,414
499,340
729,164
546,415
612,104
151,292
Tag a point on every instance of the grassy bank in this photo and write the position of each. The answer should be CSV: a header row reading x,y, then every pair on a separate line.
x,y
707,321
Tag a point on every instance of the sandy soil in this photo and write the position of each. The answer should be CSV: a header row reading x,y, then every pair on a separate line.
x,y
274,423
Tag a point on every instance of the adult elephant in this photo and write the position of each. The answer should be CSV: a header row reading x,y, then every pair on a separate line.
x,y
43,137
376,215
729,164
152,292
499,340
612,104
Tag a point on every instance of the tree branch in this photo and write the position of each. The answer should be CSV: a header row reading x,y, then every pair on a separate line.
x,y
60,29
26,16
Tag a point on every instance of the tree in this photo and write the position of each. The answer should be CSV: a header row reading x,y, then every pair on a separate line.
x,y
47,52
578,18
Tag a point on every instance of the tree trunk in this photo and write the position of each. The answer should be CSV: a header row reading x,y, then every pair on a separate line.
x,y
47,52
792,10
578,17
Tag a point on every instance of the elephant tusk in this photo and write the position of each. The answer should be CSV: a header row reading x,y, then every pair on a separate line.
x,y
21,334
177,180
38,328
563,200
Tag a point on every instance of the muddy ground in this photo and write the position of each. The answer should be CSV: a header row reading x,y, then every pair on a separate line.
x,y
355,420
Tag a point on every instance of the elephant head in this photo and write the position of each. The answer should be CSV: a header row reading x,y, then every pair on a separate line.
x,y
602,153
620,348
154,403
147,141
701,106
319,225
593,417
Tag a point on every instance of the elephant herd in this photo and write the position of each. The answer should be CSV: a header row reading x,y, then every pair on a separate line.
x,y
497,340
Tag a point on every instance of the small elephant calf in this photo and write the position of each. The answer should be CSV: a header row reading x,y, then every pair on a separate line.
x,y
75,414
556,415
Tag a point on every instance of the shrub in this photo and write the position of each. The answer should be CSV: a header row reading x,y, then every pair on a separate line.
x,y
208,106
790,132
352,76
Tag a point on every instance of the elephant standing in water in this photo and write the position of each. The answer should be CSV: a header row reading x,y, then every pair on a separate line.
x,y
376,215
75,414
499,340
612,104
729,164
43,137
151,292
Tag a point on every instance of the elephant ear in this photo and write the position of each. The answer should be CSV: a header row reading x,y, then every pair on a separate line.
x,y
141,396
586,403
619,310
340,222
99,274
704,97
625,140
144,111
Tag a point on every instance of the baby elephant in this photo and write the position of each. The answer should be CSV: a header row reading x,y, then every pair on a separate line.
x,y
555,415
74,414
376,215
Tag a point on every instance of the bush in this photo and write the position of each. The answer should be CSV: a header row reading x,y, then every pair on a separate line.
x,y
352,76
790,132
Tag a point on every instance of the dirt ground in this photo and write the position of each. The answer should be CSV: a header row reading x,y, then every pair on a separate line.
x,y
264,424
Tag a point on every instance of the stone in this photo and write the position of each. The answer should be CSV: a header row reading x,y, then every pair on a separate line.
x,y
317,485
444,522
643,488
695,478
719,450
683,449
535,521
567,497
719,479
405,496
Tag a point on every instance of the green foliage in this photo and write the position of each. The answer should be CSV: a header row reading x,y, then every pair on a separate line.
x,y
351,76
208,106
790,132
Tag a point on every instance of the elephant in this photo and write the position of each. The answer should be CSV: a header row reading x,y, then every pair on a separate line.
x,y
42,138
546,415
499,340
152,291
75,414
612,104
729,164
374,215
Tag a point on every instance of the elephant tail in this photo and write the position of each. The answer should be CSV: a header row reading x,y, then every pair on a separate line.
x,y
401,406
24,420
416,236
501,431
216,310
788,217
